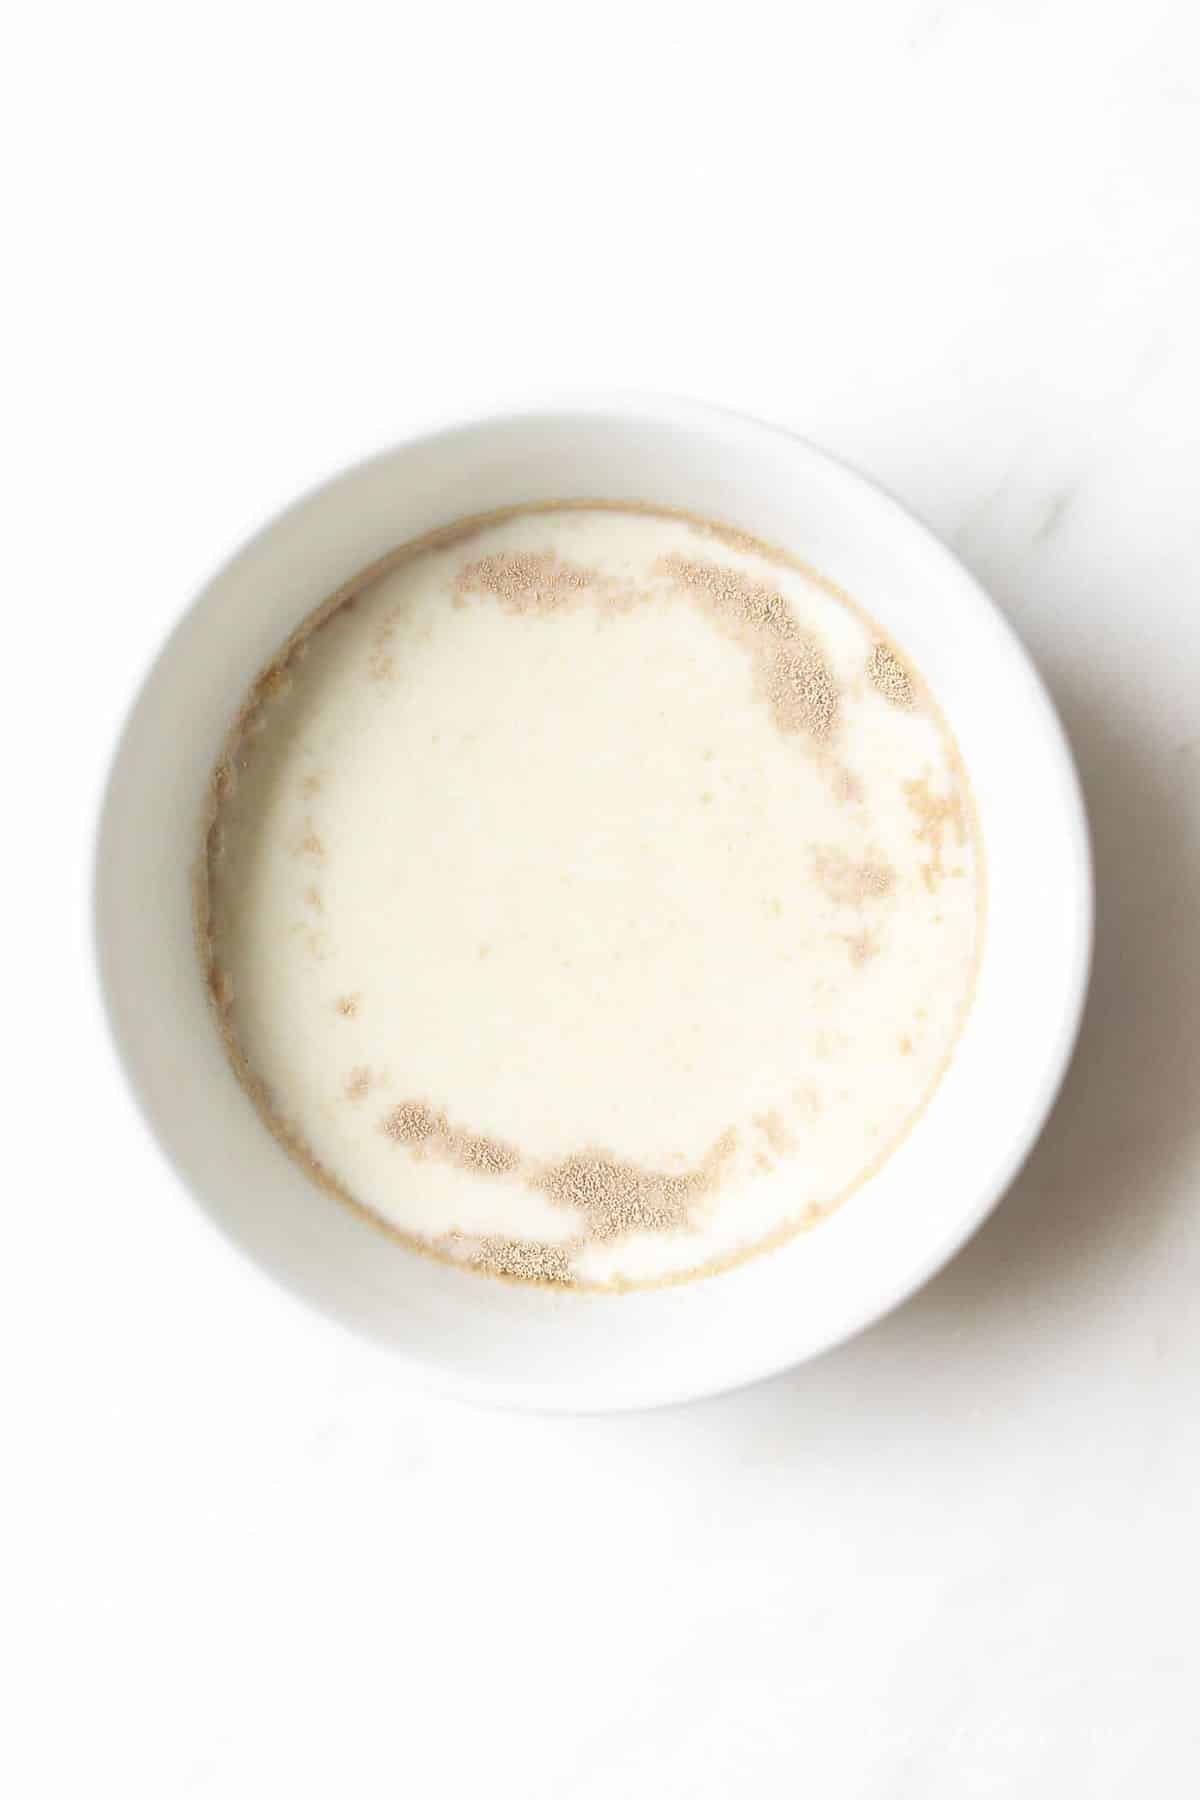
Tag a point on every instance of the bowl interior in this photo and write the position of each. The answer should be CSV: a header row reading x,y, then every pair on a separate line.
x,y
527,1346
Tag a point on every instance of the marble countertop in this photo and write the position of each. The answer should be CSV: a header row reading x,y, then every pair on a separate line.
x,y
959,245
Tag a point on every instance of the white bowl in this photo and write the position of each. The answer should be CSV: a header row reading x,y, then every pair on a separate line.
x,y
526,1347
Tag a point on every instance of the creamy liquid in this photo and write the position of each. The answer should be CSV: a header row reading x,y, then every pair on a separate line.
x,y
592,895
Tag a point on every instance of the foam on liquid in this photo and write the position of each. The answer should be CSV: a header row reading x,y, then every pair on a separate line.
x,y
593,897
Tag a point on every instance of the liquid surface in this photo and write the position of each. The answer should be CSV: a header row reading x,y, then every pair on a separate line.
x,y
593,896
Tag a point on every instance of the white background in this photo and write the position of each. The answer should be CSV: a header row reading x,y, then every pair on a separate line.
x,y
958,244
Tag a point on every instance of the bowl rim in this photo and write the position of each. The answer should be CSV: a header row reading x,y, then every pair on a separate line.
x,y
1053,744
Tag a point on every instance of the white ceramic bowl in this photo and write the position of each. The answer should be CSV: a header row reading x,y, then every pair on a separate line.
x,y
527,1347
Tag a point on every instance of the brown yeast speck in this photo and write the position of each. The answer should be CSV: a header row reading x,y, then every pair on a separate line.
x,y
938,816
729,536
412,1122
889,677
523,1259
431,1134
380,662
347,1005
483,1155
524,580
775,1131
617,1197
862,947
358,1084
850,883
790,669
